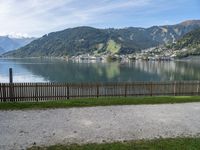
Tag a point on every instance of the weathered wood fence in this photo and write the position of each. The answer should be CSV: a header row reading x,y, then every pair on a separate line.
x,y
12,92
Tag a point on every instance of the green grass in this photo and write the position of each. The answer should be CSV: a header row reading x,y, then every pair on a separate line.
x,y
104,101
113,47
158,144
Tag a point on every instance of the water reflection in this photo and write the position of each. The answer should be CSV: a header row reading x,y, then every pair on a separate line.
x,y
173,70
47,70
21,74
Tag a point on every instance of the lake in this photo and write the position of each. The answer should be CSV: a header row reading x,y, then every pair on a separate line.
x,y
53,70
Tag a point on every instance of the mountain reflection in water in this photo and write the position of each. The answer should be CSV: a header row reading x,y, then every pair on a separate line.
x,y
53,70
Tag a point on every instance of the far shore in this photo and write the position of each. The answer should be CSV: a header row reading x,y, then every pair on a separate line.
x,y
121,58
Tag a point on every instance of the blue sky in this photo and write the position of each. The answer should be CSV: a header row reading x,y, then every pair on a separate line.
x,y
38,17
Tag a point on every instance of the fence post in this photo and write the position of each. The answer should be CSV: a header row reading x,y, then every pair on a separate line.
x,y
36,92
4,92
11,87
174,88
1,97
197,88
10,75
1,93
151,84
125,90
97,90
67,91
11,92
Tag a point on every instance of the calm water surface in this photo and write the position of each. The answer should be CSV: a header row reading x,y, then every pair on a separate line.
x,y
51,70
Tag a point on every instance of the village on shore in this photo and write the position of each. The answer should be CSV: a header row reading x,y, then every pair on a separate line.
x,y
152,54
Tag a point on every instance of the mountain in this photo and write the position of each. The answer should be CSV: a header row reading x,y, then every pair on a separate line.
x,y
171,33
80,40
1,50
190,23
189,44
7,43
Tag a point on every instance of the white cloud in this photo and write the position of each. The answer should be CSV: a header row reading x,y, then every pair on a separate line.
x,y
37,17
18,35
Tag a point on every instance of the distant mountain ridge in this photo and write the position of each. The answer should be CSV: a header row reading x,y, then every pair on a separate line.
x,y
8,43
80,40
190,22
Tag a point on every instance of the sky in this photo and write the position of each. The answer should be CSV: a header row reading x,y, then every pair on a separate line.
x,y
34,18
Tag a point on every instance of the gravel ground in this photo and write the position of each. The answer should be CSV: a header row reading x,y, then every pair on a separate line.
x,y
21,129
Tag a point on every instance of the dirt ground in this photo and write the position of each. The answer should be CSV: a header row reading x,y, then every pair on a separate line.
x,y
22,129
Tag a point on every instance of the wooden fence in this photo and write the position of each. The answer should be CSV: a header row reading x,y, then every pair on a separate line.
x,y
12,92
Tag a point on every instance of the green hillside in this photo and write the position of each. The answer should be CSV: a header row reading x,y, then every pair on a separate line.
x,y
189,44
80,40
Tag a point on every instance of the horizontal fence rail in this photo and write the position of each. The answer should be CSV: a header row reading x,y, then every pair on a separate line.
x,y
14,92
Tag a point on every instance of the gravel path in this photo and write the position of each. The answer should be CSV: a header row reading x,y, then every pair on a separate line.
x,y
21,129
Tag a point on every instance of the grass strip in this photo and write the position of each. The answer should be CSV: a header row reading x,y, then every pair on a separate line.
x,y
157,144
104,101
